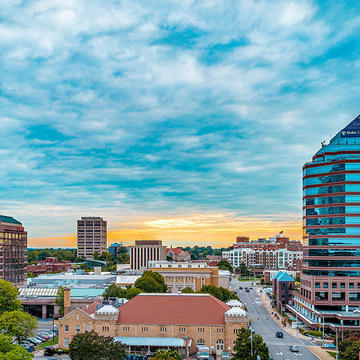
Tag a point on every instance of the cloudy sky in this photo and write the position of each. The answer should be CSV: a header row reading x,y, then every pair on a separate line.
x,y
187,121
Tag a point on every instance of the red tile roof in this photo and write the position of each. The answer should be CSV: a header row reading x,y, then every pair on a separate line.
x,y
179,309
176,251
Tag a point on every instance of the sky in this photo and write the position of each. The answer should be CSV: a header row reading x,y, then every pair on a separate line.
x,y
186,121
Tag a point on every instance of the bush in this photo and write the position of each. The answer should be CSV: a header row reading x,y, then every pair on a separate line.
x,y
314,333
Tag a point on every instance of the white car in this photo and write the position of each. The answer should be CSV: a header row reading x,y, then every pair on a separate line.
x,y
356,311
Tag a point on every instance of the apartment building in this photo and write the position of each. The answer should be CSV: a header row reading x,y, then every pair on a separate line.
x,y
152,321
13,250
91,236
145,251
179,275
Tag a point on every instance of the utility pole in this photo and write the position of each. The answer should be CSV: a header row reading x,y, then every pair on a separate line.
x,y
323,329
337,355
252,353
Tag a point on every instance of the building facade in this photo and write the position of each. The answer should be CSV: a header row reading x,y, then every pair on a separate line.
x,y
276,253
330,282
13,250
49,265
195,275
91,236
178,254
283,286
161,319
115,249
145,251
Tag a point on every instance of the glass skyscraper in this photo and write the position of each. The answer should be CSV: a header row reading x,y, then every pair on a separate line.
x,y
330,283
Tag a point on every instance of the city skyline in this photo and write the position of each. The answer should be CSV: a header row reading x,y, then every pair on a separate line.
x,y
183,122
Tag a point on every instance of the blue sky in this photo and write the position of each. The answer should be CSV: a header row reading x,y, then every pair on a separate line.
x,y
183,120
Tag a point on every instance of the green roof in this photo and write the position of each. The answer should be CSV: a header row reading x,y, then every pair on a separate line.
x,y
9,220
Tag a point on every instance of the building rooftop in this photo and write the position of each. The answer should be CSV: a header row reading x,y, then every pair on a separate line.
x,y
285,277
173,309
9,220
151,341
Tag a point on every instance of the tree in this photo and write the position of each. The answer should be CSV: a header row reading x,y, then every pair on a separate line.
x,y
91,346
166,355
212,290
9,351
227,295
151,282
242,270
59,300
187,290
132,292
8,297
242,347
18,325
114,291
224,264
352,351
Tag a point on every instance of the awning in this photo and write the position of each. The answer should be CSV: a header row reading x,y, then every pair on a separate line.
x,y
152,341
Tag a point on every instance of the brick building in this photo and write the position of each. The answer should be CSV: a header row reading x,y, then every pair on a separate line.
x,y
13,250
49,265
160,319
178,254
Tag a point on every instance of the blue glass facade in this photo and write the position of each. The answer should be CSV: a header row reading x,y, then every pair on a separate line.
x,y
331,203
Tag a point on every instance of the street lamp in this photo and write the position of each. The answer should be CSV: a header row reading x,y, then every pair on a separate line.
x,y
337,354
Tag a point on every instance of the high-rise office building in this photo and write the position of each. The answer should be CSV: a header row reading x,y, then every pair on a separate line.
x,y
330,283
91,236
145,251
13,245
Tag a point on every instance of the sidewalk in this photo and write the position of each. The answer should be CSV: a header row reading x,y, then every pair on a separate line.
x,y
321,353
266,302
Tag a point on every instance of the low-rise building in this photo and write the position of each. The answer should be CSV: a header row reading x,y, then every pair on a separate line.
x,y
126,280
151,321
179,275
178,254
283,286
49,265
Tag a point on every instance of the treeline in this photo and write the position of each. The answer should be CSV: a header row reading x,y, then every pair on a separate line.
x,y
200,252
34,255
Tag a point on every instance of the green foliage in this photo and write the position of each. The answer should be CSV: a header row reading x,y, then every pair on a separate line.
x,y
198,252
117,291
18,325
349,347
315,333
9,351
225,265
242,347
151,282
166,355
187,290
242,270
219,292
59,300
50,342
91,346
8,297
61,254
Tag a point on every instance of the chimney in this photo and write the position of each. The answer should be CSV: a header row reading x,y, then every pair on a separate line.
x,y
67,300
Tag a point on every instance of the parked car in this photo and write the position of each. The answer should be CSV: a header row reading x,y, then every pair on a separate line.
x,y
49,350
279,334
27,346
356,311
293,348
34,341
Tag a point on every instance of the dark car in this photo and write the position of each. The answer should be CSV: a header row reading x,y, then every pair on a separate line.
x,y
279,334
247,290
49,350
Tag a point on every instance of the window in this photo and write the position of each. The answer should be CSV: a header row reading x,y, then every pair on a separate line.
x,y
326,285
105,328
334,285
66,342
342,285
144,329
220,344
201,342
66,328
182,329
351,285
126,328
200,330
77,328
236,331
89,328
162,329
317,285
220,330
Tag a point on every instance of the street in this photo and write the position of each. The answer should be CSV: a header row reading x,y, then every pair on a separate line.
x,y
279,348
